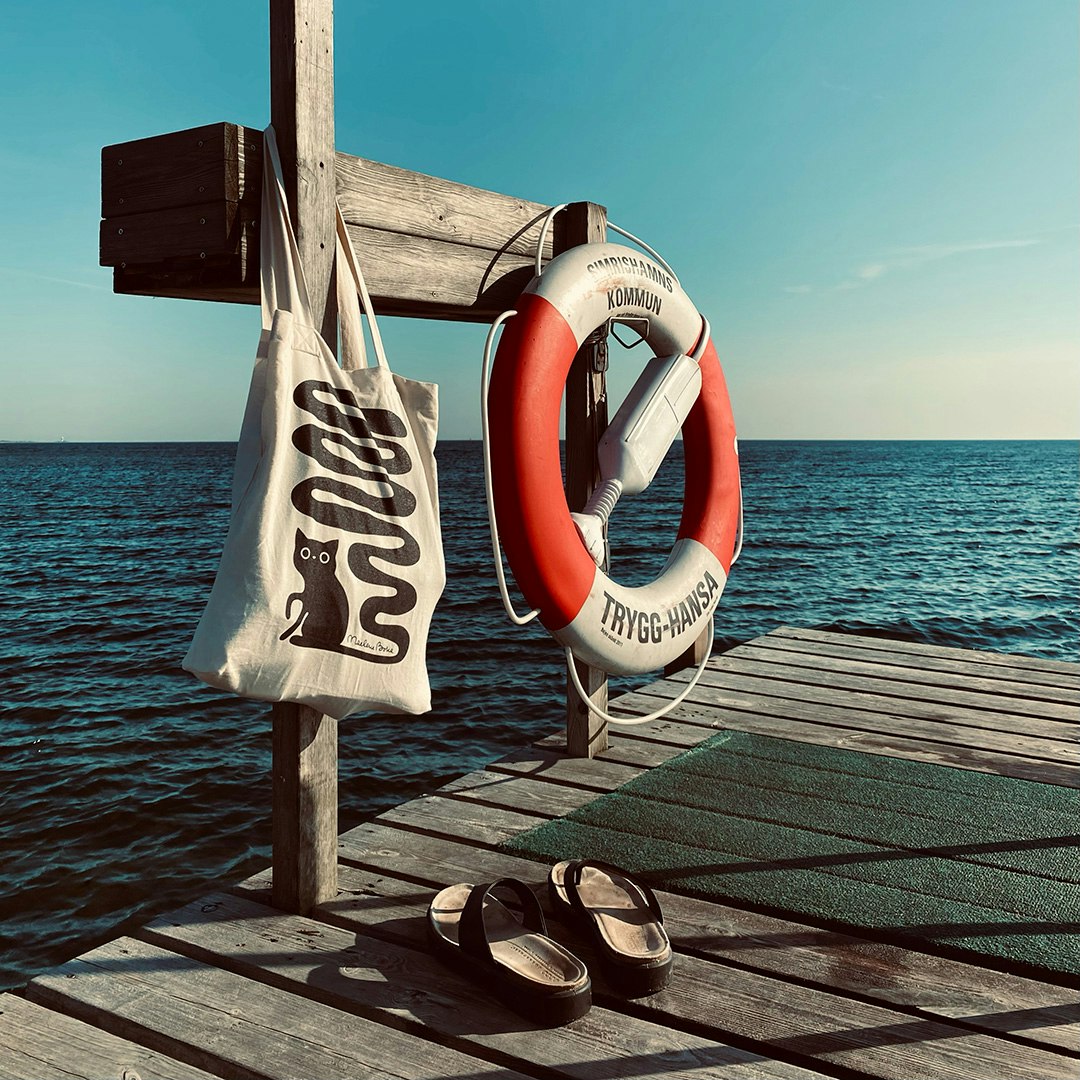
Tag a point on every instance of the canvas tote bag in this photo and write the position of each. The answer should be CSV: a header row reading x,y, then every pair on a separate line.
x,y
333,561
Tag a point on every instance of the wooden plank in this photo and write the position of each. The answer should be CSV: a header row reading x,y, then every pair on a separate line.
x,y
223,163
302,114
234,1026
641,753
999,695
517,793
402,864
586,420
986,1000
431,248
1068,669
485,826
39,1044
226,279
409,989
199,230
1016,681
393,199
304,827
559,769
1049,739
183,168
406,275
403,270
927,986
851,730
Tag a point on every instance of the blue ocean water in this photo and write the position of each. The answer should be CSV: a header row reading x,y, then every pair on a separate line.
x,y
126,787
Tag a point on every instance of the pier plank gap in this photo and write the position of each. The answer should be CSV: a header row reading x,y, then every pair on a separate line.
x,y
231,985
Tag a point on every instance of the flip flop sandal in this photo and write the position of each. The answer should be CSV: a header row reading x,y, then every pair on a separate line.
x,y
472,931
623,920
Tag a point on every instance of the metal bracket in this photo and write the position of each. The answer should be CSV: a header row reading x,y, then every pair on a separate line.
x,y
598,339
636,325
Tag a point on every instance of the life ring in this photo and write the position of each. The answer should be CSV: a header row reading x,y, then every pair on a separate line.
x,y
620,629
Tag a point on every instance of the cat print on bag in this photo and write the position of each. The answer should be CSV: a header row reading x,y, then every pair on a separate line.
x,y
362,448
324,607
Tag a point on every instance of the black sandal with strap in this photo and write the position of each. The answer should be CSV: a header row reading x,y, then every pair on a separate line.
x,y
622,918
473,931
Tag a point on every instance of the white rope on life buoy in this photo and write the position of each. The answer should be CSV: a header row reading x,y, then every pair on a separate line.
x,y
618,629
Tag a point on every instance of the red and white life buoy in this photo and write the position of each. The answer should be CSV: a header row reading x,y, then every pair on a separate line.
x,y
620,629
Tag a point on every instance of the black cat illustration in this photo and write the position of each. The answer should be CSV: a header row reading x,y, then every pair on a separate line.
x,y
323,622
324,608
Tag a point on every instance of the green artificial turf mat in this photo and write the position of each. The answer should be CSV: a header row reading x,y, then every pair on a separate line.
x,y
942,856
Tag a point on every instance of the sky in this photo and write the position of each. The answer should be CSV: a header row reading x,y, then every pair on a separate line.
x,y
875,204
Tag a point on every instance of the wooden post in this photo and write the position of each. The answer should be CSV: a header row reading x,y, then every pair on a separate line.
x,y
305,742
693,656
586,419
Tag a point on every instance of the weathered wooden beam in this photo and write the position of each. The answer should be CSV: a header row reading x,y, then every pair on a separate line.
x,y
431,248
199,165
586,419
305,788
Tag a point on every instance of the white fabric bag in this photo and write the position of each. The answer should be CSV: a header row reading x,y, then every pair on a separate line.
x,y
333,561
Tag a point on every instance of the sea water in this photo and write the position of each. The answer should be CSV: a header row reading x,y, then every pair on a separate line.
x,y
127,787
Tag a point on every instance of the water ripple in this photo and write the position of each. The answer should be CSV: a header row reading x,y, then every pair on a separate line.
x,y
128,787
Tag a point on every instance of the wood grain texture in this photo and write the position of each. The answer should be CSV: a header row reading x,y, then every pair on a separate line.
x,y
908,667
302,114
728,683
387,197
385,905
240,989
199,230
305,806
409,989
437,274
1062,672
226,279
856,729
431,248
1001,697
926,985
39,1044
233,1026
182,168
586,421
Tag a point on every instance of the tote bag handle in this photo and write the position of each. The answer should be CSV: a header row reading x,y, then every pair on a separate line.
x,y
350,284
284,287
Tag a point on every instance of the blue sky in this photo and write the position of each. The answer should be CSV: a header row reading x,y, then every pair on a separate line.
x,y
874,203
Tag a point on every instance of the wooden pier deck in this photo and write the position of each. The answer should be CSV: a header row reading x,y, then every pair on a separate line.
x,y
230,987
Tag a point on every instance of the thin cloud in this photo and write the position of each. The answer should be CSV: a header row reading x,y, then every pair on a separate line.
x,y
909,258
922,253
20,272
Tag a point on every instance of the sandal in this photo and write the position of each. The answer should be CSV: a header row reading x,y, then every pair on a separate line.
x,y
471,930
623,919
